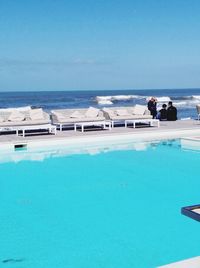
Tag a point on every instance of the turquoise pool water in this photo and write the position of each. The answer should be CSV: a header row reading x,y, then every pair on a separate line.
x,y
108,210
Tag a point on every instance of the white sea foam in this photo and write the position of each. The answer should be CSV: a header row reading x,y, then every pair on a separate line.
x,y
105,102
103,98
180,103
190,103
163,99
124,97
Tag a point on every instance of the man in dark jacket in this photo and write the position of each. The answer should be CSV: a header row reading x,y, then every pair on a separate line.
x,y
171,112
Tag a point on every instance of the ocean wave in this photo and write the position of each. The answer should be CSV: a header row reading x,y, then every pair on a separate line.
x,y
196,97
101,99
181,102
160,99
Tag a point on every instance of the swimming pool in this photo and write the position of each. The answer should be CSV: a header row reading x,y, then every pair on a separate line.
x,y
112,208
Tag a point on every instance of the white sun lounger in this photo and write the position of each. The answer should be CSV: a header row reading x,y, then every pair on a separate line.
x,y
118,115
70,117
23,119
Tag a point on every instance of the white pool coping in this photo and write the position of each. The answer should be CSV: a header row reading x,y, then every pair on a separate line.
x,y
99,137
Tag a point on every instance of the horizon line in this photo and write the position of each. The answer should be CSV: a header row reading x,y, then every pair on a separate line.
x,y
90,90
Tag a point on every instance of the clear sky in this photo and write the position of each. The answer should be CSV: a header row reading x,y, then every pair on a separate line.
x,y
99,44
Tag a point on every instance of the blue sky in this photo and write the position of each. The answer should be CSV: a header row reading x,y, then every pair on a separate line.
x,y
102,44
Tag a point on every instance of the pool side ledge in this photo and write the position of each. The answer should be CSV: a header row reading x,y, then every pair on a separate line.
x,y
188,263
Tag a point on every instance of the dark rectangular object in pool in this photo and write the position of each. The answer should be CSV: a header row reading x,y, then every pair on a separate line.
x,y
189,212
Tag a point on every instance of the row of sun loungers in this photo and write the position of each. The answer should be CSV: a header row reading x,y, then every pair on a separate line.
x,y
113,115
27,119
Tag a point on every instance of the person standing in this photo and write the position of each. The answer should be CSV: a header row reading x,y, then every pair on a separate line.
x,y
171,112
152,106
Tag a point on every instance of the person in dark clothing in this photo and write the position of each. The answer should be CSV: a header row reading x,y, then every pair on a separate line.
x,y
171,112
163,113
152,103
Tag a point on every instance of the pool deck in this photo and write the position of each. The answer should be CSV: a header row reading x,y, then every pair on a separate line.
x,y
167,130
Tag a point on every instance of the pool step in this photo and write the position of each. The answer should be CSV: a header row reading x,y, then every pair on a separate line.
x,y
189,263
190,143
20,146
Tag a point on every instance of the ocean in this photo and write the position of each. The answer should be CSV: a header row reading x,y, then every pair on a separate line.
x,y
184,99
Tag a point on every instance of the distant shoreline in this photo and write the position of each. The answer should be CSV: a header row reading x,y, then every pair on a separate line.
x,y
97,90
